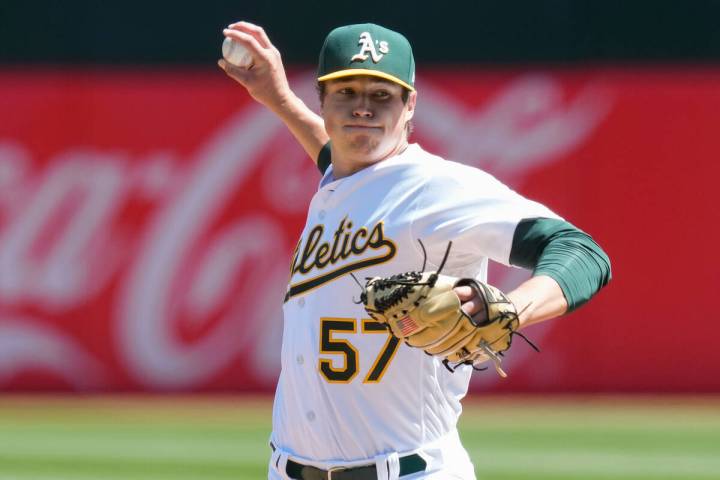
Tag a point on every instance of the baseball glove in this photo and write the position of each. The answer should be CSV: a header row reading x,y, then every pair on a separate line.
x,y
422,309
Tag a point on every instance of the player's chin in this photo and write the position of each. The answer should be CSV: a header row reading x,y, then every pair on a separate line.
x,y
364,143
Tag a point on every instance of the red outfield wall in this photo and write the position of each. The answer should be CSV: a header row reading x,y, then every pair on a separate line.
x,y
147,221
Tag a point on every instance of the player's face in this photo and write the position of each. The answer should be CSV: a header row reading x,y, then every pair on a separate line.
x,y
365,118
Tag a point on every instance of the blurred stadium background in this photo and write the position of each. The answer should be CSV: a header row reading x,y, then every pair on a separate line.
x,y
148,210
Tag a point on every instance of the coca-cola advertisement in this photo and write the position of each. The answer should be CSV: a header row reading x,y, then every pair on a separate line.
x,y
148,219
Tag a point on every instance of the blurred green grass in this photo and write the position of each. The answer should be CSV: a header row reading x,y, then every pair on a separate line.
x,y
214,438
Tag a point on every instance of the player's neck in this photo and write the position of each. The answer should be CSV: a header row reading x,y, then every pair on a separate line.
x,y
346,165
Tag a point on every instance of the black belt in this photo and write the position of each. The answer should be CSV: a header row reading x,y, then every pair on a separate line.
x,y
408,464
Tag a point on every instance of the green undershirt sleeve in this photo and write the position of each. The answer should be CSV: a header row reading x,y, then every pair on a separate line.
x,y
563,252
323,160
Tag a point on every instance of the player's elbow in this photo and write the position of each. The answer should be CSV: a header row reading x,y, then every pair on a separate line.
x,y
565,253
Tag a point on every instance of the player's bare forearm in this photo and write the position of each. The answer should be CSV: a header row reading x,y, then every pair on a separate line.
x,y
306,126
537,299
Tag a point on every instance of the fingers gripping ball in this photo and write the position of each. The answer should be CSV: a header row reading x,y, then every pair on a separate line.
x,y
422,309
236,53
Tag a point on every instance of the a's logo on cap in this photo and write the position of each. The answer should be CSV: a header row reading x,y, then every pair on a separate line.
x,y
368,46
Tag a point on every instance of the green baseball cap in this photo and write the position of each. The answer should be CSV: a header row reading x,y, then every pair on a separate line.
x,y
367,49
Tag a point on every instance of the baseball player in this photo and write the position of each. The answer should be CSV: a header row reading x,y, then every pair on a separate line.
x,y
352,401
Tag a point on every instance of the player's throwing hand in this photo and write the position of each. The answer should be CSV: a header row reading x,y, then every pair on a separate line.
x,y
265,80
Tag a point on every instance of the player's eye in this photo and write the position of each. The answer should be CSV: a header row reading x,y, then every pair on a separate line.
x,y
346,91
381,94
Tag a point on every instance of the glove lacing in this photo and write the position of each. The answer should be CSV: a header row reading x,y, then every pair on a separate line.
x,y
408,280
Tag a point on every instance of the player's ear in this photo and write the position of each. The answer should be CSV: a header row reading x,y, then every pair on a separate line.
x,y
410,106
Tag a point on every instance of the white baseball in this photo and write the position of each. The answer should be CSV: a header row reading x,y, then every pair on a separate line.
x,y
236,53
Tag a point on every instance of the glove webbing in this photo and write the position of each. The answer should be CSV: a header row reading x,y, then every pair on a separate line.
x,y
409,280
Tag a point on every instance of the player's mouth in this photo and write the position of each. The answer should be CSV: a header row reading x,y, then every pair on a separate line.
x,y
361,127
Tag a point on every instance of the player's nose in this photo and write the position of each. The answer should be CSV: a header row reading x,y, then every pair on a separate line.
x,y
362,108
362,113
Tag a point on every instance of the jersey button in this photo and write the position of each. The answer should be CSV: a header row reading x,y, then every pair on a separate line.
x,y
300,360
321,214
301,302
310,415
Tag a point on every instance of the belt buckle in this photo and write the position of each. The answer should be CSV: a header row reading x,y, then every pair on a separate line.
x,y
334,470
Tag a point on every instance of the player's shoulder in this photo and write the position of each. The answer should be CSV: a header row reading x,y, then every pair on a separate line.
x,y
435,170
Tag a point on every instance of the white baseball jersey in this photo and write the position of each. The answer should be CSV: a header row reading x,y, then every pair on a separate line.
x,y
348,390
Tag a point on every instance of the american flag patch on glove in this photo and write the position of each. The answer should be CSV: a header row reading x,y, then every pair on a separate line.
x,y
407,326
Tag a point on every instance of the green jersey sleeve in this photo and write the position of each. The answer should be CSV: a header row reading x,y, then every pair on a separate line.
x,y
563,252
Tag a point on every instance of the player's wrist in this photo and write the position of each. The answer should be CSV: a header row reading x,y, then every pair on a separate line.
x,y
537,299
286,105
